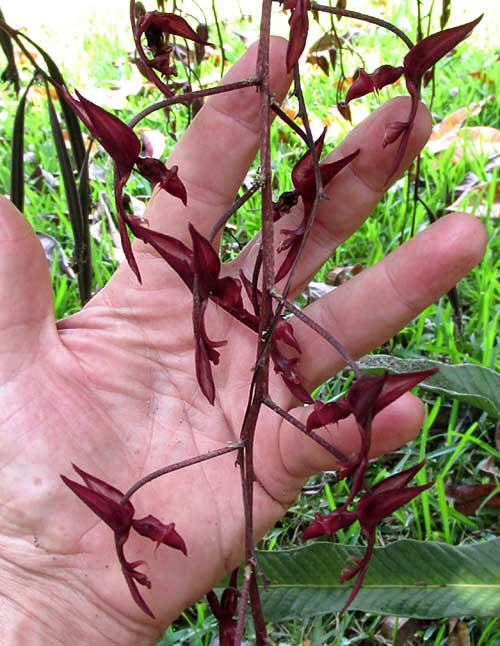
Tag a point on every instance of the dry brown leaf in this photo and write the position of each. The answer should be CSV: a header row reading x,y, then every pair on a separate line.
x,y
21,58
54,251
86,140
468,498
405,632
448,130
455,120
339,275
482,76
459,633
489,466
327,41
474,200
37,93
317,290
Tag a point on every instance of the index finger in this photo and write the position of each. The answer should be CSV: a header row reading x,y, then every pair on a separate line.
x,y
217,149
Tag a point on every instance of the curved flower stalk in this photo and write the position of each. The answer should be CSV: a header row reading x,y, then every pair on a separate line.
x,y
107,503
417,61
284,365
124,147
299,27
225,609
157,26
380,501
305,187
366,397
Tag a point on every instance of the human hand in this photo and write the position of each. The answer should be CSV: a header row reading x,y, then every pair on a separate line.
x,y
113,388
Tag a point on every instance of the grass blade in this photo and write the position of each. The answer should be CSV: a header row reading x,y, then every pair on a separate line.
x,y
10,73
82,249
17,158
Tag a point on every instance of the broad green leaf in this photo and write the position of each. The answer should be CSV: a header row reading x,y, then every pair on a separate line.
x,y
407,578
467,382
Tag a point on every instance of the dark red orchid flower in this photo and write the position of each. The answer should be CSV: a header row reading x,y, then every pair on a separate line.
x,y
157,26
365,83
122,144
304,182
224,291
285,366
118,139
299,27
199,269
378,503
168,23
366,397
421,58
283,332
225,609
106,502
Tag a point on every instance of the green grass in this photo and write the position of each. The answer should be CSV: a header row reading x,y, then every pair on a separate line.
x,y
456,438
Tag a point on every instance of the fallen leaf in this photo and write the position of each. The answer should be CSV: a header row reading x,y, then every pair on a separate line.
x,y
455,120
447,130
339,275
86,141
329,40
43,179
482,76
488,466
458,633
468,498
101,216
38,92
493,162
51,247
405,633
316,290
474,200
116,96
320,61
21,58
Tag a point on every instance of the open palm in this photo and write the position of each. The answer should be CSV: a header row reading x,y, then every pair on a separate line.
x,y
113,387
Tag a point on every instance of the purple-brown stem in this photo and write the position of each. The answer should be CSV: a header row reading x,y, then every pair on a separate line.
x,y
188,97
242,611
341,349
175,467
337,11
148,71
319,190
325,444
237,204
260,379
290,122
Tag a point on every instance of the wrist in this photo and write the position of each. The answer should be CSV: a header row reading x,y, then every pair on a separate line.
x,y
56,609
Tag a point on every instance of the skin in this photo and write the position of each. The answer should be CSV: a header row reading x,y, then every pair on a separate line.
x,y
112,388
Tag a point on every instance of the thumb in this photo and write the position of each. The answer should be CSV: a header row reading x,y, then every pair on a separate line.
x,y
26,310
